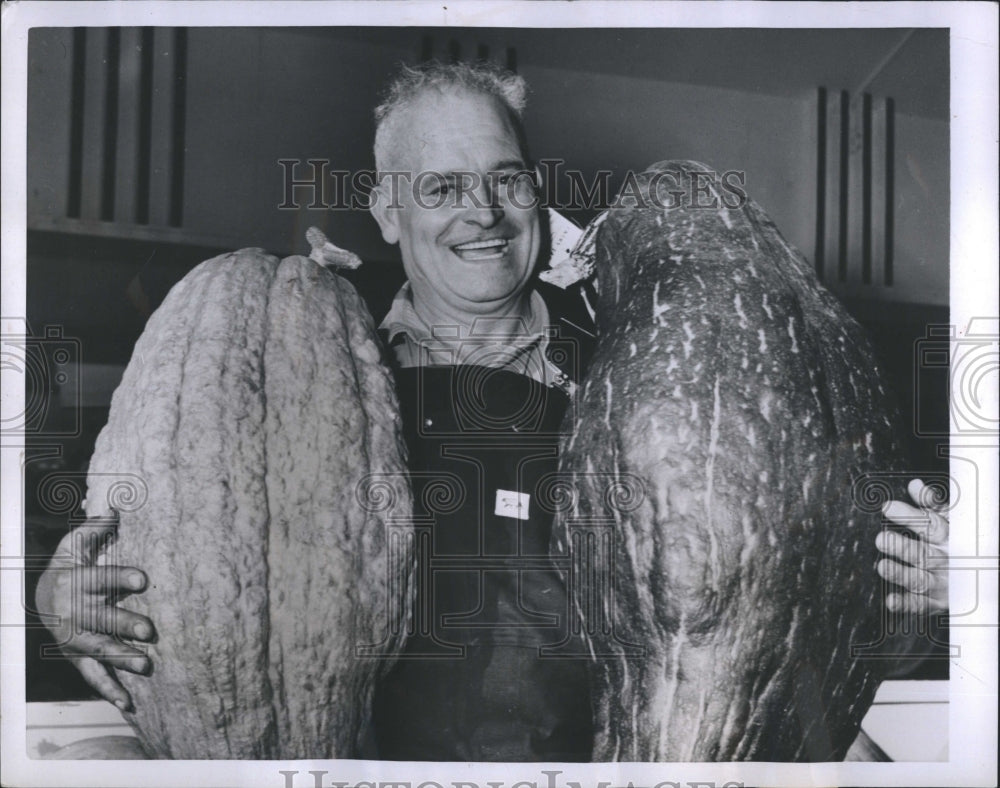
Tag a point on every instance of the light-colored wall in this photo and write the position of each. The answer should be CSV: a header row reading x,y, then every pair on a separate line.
x,y
922,210
619,122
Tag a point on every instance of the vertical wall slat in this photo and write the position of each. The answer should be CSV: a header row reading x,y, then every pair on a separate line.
x,y
129,102
878,194
145,118
426,48
161,127
819,245
855,191
112,66
94,104
176,217
889,228
866,189
843,187
77,90
831,254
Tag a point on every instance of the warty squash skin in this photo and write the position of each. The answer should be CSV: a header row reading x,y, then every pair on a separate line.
x,y
740,408
253,407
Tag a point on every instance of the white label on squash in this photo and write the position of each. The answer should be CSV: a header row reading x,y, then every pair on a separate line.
x,y
512,504
564,236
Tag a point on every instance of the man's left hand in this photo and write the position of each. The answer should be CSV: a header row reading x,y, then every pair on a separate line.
x,y
917,565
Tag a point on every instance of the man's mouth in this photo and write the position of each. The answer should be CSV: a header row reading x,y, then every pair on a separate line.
x,y
488,249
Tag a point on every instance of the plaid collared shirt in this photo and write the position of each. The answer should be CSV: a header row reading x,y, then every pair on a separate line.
x,y
514,344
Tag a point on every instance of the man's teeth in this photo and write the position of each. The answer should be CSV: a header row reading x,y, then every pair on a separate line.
x,y
492,249
494,243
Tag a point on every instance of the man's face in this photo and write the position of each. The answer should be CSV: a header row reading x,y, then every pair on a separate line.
x,y
462,259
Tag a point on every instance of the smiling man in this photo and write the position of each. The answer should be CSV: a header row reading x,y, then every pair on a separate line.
x,y
461,212
482,401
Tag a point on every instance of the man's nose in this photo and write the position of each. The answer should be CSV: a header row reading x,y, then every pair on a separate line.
x,y
482,203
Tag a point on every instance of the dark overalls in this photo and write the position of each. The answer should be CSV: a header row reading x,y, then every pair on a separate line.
x,y
473,683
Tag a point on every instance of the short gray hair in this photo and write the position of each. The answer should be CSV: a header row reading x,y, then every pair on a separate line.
x,y
480,77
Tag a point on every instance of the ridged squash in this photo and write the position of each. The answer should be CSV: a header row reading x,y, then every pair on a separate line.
x,y
254,457
728,449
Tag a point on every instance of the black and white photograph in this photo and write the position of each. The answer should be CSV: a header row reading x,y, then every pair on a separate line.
x,y
499,394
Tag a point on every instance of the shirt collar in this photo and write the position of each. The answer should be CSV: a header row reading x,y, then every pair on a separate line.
x,y
522,348
402,318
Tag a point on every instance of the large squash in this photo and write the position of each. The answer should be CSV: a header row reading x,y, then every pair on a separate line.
x,y
725,431
254,457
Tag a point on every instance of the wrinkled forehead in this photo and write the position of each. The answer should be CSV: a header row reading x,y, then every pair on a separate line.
x,y
454,128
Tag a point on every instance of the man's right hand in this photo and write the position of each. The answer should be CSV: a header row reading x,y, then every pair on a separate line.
x,y
77,601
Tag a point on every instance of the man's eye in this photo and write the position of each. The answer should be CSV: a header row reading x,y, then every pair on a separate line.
x,y
521,183
438,189
519,179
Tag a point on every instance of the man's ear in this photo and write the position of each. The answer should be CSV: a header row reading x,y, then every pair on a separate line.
x,y
387,217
